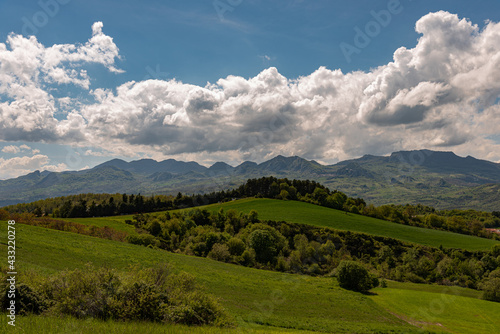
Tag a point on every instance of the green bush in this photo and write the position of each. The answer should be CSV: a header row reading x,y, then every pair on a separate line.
x,y
152,294
219,252
353,276
27,300
491,286
236,246
491,289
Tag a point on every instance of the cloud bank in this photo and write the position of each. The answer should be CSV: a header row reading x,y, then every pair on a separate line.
x,y
441,94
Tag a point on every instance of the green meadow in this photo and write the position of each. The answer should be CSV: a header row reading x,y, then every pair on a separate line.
x,y
254,298
261,301
305,213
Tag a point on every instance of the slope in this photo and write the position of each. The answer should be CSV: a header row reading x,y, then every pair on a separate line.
x,y
252,296
305,213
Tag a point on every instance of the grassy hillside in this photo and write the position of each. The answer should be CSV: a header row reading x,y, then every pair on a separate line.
x,y
304,213
34,324
440,311
260,301
251,296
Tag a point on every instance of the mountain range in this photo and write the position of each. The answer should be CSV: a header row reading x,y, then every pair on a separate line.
x,y
440,179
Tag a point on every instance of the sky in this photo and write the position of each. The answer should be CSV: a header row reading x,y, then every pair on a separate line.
x,y
83,82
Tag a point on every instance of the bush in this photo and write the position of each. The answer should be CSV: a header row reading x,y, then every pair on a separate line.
x,y
495,251
491,286
353,276
143,240
219,252
27,300
267,243
491,289
236,246
152,294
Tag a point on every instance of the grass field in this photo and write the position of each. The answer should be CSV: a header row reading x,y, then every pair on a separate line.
x,y
441,310
41,324
251,296
305,213
263,301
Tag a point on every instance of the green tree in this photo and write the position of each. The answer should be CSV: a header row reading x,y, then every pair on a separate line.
x,y
262,242
353,276
491,289
267,243
236,246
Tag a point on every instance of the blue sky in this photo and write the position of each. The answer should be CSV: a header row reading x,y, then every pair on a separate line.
x,y
186,44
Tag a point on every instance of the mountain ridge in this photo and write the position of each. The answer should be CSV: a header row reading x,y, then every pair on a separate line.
x,y
424,176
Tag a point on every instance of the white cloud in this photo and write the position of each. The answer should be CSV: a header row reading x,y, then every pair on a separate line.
x,y
11,149
27,71
17,166
441,93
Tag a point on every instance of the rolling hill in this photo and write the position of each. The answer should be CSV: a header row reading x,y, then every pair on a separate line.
x,y
260,301
305,213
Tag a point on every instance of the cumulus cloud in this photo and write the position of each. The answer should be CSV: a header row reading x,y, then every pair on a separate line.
x,y
441,93
28,70
11,149
22,165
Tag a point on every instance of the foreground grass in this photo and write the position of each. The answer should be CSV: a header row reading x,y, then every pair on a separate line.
x,y
305,213
252,297
441,309
41,324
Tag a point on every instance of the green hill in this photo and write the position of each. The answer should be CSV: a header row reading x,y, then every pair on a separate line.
x,y
305,213
253,297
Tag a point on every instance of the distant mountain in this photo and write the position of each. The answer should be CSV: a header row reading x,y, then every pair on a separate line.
x,y
281,164
440,179
149,166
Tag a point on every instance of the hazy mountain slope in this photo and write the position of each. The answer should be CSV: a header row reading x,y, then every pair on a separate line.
x,y
440,179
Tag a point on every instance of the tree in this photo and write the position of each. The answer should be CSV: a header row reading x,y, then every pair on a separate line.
x,y
495,251
284,195
491,287
4,214
267,243
236,246
262,242
353,276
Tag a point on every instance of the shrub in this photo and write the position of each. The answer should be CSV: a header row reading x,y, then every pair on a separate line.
x,y
491,289
152,294
267,243
353,276
143,240
27,300
219,252
491,286
495,251
236,246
